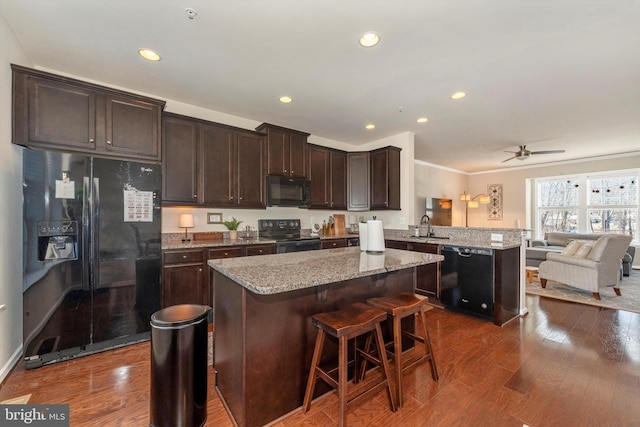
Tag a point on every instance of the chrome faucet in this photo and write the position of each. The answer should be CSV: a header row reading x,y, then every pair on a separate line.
x,y
425,220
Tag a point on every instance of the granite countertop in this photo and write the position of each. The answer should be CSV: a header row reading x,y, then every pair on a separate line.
x,y
179,244
273,274
453,241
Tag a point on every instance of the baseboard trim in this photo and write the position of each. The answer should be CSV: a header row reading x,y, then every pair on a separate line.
x,y
11,363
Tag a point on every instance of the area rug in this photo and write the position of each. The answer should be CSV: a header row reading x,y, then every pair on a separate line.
x,y
629,287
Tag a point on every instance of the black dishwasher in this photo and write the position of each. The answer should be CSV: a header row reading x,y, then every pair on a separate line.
x,y
467,280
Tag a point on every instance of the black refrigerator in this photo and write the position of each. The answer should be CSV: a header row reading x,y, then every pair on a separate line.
x,y
92,240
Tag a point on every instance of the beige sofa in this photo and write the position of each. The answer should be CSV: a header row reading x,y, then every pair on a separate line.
x,y
587,265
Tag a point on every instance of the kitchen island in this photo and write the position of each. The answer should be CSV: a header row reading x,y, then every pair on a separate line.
x,y
263,336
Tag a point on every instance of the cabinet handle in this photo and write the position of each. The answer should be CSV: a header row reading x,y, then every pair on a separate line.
x,y
230,197
200,270
240,198
91,140
226,253
195,196
285,171
292,172
109,143
184,257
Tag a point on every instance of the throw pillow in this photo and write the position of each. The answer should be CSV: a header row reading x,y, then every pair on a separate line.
x,y
584,250
572,247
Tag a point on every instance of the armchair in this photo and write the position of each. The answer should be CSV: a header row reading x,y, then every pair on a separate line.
x,y
587,265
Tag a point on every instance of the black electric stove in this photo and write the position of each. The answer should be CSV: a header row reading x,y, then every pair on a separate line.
x,y
286,233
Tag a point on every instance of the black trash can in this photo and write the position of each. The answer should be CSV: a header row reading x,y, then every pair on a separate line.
x,y
179,341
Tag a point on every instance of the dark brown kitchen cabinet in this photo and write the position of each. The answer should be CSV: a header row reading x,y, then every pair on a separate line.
x,y
286,151
183,278
266,249
180,160
358,181
328,175
385,178
334,243
233,170
210,164
60,113
428,275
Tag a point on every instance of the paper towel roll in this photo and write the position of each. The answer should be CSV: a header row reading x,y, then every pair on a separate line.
x,y
362,230
375,236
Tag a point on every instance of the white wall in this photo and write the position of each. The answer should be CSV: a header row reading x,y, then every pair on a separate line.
x,y
10,210
437,181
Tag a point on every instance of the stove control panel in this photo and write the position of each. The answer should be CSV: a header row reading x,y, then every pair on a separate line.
x,y
278,225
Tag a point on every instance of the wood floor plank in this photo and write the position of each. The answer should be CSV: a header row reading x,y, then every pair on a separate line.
x,y
562,364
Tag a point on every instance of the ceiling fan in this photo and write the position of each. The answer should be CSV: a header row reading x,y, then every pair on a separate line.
x,y
523,153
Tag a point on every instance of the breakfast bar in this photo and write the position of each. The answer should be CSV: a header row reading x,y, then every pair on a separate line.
x,y
263,336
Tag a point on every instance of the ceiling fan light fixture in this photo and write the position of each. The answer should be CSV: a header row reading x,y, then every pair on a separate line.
x,y
369,39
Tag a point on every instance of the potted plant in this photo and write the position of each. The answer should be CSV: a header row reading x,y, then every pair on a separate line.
x,y
232,225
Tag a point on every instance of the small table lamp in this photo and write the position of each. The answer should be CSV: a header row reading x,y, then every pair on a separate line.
x,y
186,221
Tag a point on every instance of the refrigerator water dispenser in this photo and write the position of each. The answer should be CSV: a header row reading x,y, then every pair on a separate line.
x,y
57,240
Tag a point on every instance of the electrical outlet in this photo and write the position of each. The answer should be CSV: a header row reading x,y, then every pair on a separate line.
x,y
496,237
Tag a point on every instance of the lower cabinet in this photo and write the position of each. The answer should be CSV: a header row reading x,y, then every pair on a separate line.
x,y
183,278
185,273
428,280
334,243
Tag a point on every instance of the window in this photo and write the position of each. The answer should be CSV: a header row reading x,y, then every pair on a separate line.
x,y
588,204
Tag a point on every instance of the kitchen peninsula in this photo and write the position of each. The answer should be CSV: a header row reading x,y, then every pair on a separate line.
x,y
263,336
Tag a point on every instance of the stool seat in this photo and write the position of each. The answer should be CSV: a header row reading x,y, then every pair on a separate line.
x,y
399,306
345,324
350,321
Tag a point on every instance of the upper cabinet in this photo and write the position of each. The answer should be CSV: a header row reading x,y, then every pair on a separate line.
x,y
60,113
286,151
328,175
358,181
385,178
209,164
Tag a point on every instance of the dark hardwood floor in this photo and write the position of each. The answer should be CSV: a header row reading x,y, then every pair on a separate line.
x,y
563,364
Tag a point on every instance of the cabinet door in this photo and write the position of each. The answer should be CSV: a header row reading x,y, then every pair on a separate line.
x,y
218,160
277,152
250,170
61,115
358,181
132,127
185,284
385,178
338,177
318,174
297,155
428,276
395,244
179,161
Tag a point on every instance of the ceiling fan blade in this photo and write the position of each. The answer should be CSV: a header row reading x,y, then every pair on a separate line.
x,y
510,158
547,152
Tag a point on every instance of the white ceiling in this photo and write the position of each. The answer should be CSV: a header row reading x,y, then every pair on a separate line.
x,y
550,74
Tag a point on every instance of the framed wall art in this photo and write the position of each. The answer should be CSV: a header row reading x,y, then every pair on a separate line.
x,y
214,218
494,208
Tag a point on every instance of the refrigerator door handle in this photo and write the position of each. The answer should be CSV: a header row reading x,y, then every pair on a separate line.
x,y
86,233
95,232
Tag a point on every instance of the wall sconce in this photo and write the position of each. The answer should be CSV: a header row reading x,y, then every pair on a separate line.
x,y
186,222
472,202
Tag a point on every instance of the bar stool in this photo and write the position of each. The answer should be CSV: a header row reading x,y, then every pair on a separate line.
x,y
398,307
350,322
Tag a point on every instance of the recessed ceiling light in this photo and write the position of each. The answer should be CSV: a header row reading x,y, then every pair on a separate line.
x,y
149,54
458,95
422,120
286,99
370,126
369,39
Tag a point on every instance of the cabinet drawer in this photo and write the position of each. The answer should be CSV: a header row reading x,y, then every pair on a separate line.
x,y
261,250
395,244
428,248
334,243
183,257
228,252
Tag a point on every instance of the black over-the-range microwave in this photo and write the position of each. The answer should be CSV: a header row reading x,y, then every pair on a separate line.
x,y
283,191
